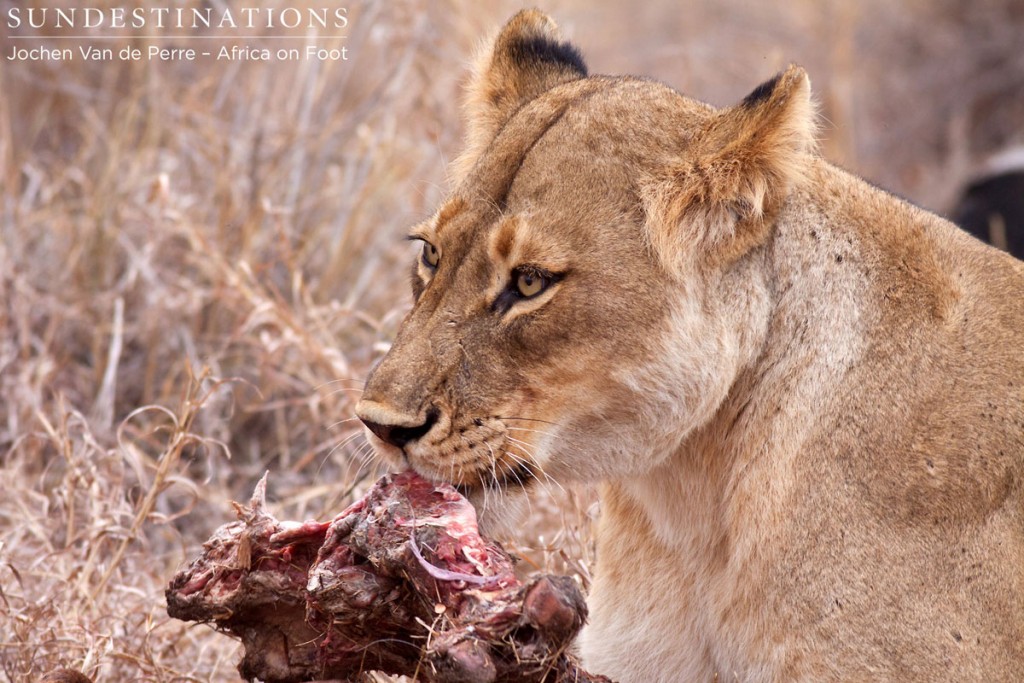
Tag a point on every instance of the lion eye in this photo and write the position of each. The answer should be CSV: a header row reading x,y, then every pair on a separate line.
x,y
431,256
530,284
525,282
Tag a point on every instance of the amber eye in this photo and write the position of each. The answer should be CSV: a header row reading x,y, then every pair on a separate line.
x,y
431,256
529,283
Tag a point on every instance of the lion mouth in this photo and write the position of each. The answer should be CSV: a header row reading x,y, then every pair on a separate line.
x,y
461,460
518,477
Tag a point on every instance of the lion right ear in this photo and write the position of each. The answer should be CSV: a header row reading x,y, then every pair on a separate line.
x,y
526,58
716,202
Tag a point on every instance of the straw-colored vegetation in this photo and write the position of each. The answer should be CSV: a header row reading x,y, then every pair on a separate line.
x,y
199,262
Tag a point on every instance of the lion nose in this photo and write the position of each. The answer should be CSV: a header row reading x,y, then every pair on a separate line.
x,y
393,427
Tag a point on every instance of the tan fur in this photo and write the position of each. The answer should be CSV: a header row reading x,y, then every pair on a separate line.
x,y
804,398
501,83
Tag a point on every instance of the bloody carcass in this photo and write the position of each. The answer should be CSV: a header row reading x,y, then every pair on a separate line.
x,y
400,582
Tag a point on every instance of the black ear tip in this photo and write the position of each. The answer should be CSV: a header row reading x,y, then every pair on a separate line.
x,y
527,51
531,39
784,83
762,92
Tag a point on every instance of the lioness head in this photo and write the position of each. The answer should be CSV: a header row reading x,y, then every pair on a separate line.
x,y
585,297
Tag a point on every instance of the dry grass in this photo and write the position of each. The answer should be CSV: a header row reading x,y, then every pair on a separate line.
x,y
194,262
199,263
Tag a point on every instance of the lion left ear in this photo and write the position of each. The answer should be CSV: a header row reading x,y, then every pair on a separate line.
x,y
526,58
718,200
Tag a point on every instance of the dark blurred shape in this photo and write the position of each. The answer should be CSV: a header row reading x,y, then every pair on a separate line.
x,y
992,207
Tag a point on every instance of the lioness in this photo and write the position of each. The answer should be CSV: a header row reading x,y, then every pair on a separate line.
x,y
802,396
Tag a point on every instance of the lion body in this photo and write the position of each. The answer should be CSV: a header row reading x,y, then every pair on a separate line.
x,y
802,396
853,510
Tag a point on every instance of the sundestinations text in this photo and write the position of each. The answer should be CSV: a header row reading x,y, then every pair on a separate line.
x,y
176,17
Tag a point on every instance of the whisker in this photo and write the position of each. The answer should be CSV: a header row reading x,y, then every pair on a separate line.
x,y
541,432
529,465
525,447
494,479
349,439
485,486
544,480
563,439
529,419
451,471
337,447
365,461
494,474
335,392
335,381
514,471
341,422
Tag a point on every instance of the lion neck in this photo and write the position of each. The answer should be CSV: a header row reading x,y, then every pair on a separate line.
x,y
796,346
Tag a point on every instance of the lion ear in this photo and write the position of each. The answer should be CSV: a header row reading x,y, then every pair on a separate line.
x,y
743,165
527,57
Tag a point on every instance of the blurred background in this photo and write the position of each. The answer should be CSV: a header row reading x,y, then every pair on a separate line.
x,y
200,260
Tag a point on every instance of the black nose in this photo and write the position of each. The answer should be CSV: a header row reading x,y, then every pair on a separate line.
x,y
400,436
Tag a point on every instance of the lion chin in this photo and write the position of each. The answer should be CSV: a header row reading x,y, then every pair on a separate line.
x,y
802,398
